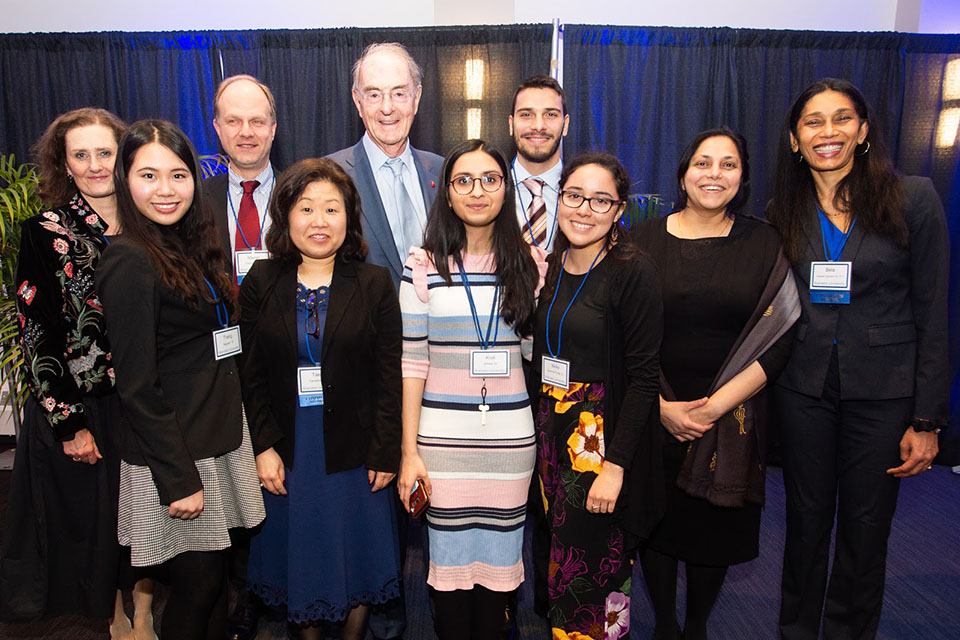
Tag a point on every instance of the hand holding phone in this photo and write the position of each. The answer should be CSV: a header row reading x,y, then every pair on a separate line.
x,y
419,500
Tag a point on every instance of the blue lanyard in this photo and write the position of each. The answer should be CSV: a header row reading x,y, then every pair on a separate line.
x,y
556,209
105,239
225,315
492,320
827,228
306,340
263,216
564,316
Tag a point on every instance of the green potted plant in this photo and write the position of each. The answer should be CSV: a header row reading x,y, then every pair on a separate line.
x,y
19,200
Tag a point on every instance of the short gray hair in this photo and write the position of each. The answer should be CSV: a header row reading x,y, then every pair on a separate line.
x,y
416,72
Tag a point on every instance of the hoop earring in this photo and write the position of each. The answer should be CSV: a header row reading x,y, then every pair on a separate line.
x,y
616,232
866,150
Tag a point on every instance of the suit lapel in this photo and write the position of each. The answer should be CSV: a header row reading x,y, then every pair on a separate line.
x,y
428,186
374,215
284,292
342,289
811,226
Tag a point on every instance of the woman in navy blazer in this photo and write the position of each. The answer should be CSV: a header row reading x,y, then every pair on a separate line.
x,y
865,391
321,387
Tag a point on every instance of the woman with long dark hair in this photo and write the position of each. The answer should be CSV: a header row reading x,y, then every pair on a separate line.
x,y
596,345
187,473
865,391
321,385
68,463
468,299
729,301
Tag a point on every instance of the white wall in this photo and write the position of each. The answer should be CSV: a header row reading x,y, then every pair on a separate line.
x,y
931,16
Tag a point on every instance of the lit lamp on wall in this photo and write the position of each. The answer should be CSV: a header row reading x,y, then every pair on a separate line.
x,y
950,116
473,91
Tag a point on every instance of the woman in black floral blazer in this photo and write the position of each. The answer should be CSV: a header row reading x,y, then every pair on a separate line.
x,y
67,468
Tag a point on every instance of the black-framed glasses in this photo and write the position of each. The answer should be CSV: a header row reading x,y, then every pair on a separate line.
x,y
311,325
598,204
489,182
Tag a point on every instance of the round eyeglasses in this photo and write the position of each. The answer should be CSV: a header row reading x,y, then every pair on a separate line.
x,y
573,200
489,182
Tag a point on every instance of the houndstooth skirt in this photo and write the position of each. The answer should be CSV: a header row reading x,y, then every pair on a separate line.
x,y
231,498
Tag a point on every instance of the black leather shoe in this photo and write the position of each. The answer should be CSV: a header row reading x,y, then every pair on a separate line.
x,y
242,623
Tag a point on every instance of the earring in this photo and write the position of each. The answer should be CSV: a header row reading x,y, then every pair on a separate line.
x,y
865,151
616,232
799,156
69,177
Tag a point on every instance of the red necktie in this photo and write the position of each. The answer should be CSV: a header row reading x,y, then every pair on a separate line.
x,y
248,219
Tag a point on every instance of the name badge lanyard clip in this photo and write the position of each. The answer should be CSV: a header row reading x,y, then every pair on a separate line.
x,y
493,326
263,217
554,369
556,210
309,379
226,339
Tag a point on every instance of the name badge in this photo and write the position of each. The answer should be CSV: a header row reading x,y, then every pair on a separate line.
x,y
489,363
226,342
830,282
309,386
555,371
244,260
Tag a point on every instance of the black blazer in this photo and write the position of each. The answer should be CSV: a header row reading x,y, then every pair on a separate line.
x,y
360,358
892,337
216,198
179,403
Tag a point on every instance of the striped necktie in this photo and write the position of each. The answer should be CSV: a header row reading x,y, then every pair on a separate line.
x,y
536,225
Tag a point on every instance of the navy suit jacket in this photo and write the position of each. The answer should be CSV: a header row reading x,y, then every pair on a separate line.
x,y
376,227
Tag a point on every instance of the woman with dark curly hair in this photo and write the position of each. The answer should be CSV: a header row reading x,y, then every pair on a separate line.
x,y
865,392
67,468
321,385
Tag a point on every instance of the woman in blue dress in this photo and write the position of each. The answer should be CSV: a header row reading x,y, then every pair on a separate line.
x,y
321,389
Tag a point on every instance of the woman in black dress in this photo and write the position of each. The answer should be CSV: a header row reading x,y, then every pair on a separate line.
x,y
598,442
866,389
67,468
728,301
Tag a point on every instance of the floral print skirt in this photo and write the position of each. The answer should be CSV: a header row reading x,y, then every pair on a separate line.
x,y
588,578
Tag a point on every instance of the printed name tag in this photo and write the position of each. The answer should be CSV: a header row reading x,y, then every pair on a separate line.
x,y
226,343
309,386
555,371
489,363
830,282
244,261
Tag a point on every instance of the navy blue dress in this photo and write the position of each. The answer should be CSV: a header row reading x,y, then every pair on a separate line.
x,y
329,544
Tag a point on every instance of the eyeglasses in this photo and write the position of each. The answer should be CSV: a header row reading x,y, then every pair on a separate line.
x,y
375,97
489,182
573,200
311,325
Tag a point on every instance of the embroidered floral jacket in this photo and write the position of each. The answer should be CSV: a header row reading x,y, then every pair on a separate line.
x,y
62,333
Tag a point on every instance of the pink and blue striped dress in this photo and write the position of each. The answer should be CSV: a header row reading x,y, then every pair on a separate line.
x,y
480,472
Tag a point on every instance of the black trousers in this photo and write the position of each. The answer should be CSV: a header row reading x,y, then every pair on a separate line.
x,y
835,456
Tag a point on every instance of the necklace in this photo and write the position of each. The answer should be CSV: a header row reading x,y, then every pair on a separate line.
x,y
724,230
325,283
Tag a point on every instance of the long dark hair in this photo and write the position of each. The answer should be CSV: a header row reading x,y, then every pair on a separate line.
x,y
50,151
446,238
871,191
182,268
290,187
619,245
743,193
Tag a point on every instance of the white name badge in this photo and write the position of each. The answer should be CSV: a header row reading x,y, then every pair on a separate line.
x,y
555,371
226,342
830,282
309,386
489,363
244,261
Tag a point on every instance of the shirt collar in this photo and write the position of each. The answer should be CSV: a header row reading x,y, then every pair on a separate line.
x,y
551,177
263,178
378,158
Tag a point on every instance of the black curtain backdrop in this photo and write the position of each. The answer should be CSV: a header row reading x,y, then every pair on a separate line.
x,y
638,92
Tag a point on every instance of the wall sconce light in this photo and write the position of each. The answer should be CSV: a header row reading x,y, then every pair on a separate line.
x,y
474,122
947,127
473,80
951,81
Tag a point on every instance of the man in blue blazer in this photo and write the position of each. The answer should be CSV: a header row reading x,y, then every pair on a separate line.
x,y
397,183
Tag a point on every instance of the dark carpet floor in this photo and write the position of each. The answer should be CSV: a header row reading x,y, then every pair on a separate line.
x,y
922,598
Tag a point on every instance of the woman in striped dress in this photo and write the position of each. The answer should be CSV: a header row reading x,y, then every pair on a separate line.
x,y
468,299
